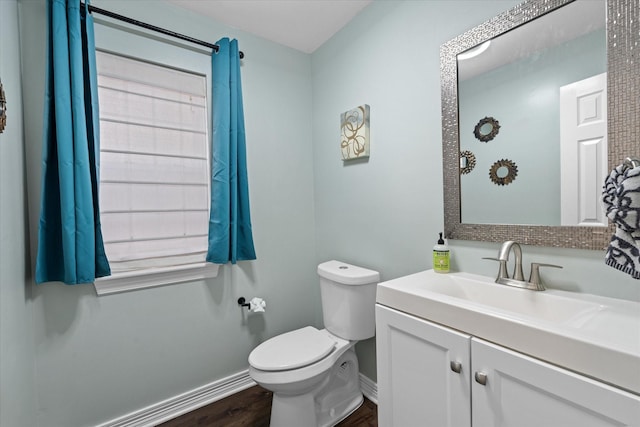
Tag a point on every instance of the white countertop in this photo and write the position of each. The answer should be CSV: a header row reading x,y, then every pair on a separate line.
x,y
596,336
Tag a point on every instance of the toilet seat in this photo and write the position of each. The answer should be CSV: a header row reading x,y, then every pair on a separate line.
x,y
292,350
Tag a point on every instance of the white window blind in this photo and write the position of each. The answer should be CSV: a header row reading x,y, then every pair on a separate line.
x,y
154,179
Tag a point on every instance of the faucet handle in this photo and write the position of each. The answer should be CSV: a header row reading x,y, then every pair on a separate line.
x,y
502,271
534,278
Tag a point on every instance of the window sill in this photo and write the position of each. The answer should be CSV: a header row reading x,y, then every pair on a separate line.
x,y
158,277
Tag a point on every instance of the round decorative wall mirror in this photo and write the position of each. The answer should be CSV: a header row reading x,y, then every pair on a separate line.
x,y
467,162
486,129
503,172
3,109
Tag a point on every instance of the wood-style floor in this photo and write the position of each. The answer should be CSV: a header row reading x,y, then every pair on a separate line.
x,y
252,408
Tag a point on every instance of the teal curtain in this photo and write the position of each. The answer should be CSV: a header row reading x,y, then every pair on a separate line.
x,y
70,246
230,235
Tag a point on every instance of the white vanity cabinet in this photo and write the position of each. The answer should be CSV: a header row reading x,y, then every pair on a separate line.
x,y
525,392
418,385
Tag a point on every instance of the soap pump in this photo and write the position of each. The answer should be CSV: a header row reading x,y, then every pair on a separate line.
x,y
441,256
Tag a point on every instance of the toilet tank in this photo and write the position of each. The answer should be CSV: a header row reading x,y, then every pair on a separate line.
x,y
348,299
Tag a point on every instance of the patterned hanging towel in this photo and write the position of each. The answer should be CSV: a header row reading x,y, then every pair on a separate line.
x,y
621,197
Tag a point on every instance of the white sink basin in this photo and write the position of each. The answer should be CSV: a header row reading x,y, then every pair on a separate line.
x,y
548,306
596,336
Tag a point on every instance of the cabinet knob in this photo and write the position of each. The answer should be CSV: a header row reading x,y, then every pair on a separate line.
x,y
456,366
481,378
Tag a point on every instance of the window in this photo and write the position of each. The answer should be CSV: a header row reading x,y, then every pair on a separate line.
x,y
154,172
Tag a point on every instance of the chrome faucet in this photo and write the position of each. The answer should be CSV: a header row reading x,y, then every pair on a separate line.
x,y
534,283
503,255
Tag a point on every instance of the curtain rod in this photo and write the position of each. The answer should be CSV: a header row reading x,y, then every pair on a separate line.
x,y
93,9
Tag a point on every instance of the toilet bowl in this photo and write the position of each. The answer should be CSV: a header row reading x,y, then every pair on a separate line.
x,y
314,373
310,394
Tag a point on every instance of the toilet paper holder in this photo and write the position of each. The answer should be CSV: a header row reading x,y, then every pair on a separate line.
x,y
243,302
256,305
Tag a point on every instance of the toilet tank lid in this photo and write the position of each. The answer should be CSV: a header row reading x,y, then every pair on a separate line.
x,y
347,274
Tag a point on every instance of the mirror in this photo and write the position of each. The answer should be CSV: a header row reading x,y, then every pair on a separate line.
x,y
467,162
537,162
486,129
525,85
503,172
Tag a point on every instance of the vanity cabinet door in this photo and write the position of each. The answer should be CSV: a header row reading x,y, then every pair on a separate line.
x,y
417,380
525,392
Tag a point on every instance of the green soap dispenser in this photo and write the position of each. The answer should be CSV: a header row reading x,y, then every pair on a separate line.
x,y
441,256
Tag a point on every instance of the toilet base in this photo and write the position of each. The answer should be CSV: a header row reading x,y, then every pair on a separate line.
x,y
335,398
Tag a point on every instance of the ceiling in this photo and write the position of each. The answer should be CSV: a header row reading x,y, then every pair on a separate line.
x,y
562,25
303,25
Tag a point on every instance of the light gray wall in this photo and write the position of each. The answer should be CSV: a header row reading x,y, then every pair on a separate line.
x,y
17,360
385,213
101,357
98,358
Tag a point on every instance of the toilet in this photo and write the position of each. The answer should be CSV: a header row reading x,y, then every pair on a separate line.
x,y
313,373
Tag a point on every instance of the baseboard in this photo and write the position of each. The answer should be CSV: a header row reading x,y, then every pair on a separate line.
x,y
186,402
369,388
183,403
